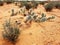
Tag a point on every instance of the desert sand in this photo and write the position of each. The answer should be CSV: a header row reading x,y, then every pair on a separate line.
x,y
44,33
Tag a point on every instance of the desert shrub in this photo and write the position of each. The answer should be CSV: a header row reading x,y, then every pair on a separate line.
x,y
49,7
9,1
35,4
1,3
10,33
29,5
42,2
57,5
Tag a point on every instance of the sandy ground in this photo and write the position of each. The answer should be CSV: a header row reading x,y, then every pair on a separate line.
x,y
46,33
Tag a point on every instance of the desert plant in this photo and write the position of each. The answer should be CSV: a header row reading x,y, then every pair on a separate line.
x,y
12,12
26,4
43,19
42,2
49,7
22,10
57,5
43,15
35,4
1,3
27,18
52,17
29,5
34,17
10,33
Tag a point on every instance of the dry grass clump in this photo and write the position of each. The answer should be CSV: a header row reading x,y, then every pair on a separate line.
x,y
10,33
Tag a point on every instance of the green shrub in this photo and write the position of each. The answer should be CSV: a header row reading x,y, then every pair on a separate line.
x,y
10,33
49,7
43,15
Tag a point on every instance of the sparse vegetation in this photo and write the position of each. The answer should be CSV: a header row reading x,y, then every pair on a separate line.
x,y
9,1
49,7
13,14
57,5
1,3
29,4
52,17
43,18
10,33
42,2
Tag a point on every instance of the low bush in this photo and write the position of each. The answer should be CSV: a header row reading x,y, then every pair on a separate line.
x,y
34,4
8,2
57,5
29,5
49,7
42,2
10,33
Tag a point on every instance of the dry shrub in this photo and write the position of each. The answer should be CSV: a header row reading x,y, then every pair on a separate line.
x,y
10,33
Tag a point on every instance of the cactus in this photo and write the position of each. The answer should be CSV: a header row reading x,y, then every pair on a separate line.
x,y
42,18
34,17
52,17
43,15
12,12
10,32
28,18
